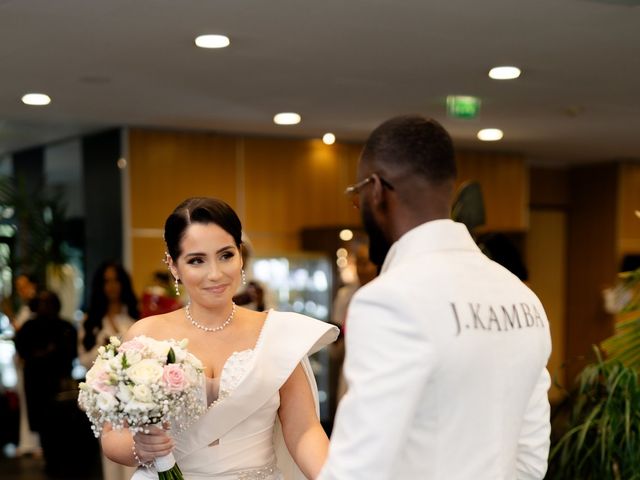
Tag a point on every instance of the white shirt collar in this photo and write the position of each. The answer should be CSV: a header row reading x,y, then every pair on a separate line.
x,y
436,235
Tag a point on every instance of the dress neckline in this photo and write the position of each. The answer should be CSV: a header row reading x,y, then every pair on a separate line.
x,y
251,351
254,348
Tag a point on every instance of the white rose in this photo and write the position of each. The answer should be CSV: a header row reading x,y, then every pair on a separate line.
x,y
98,369
133,357
145,372
115,363
106,402
183,343
181,354
124,393
158,349
142,393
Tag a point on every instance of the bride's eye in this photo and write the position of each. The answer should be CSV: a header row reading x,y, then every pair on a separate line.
x,y
227,255
195,261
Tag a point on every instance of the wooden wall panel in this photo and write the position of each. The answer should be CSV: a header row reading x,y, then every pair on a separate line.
x,y
629,209
277,186
504,183
547,264
592,259
148,256
548,188
167,167
292,184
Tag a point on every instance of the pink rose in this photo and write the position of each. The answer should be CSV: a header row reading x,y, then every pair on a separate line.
x,y
131,346
102,384
174,378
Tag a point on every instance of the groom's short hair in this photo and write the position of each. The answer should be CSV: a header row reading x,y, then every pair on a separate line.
x,y
414,143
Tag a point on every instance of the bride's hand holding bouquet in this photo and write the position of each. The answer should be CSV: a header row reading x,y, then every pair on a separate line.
x,y
144,385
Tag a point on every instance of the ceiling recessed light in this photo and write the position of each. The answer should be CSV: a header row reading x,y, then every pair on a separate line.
x,y
490,134
504,73
346,235
212,41
36,99
329,138
287,118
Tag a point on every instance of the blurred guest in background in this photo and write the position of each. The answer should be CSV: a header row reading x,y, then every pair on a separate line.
x,y
365,272
26,287
113,308
252,297
159,297
47,346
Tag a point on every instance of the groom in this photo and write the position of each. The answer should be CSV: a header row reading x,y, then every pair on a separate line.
x,y
446,349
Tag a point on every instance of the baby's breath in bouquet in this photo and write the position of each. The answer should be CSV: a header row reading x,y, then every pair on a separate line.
x,y
144,382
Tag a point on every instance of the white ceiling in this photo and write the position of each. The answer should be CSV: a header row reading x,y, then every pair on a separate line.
x,y
344,65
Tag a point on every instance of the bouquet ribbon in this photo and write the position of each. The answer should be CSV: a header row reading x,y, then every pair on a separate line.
x,y
164,463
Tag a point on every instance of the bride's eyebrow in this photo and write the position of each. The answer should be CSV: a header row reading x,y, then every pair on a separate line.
x,y
195,254
228,247
202,254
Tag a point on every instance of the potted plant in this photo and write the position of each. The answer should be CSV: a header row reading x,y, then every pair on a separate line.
x,y
601,439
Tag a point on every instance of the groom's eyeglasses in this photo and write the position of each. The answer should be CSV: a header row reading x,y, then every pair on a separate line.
x,y
353,190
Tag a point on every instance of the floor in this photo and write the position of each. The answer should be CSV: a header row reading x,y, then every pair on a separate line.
x,y
33,468
22,468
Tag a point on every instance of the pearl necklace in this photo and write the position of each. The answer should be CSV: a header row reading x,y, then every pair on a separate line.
x,y
209,329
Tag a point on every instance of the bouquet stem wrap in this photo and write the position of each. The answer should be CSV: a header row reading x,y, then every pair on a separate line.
x,y
165,463
168,468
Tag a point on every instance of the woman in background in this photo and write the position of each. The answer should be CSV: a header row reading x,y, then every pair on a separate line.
x,y
113,308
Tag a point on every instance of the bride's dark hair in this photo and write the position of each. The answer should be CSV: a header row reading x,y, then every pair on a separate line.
x,y
200,210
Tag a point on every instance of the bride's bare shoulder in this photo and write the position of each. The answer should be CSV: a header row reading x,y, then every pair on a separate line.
x,y
154,326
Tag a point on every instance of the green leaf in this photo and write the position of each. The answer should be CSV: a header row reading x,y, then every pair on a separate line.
x,y
125,363
171,356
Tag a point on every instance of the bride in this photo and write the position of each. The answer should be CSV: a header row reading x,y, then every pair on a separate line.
x,y
262,397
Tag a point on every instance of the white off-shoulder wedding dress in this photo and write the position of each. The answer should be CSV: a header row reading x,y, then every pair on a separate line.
x,y
239,437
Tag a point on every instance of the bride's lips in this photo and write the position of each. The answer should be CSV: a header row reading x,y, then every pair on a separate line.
x,y
216,288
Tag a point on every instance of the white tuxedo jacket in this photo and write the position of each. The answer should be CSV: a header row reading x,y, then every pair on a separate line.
x,y
446,367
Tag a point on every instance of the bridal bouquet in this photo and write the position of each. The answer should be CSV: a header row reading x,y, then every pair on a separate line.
x,y
144,382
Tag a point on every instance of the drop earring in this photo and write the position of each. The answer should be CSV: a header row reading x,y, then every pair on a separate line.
x,y
175,284
244,278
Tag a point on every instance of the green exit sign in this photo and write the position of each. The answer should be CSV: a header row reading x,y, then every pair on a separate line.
x,y
463,106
